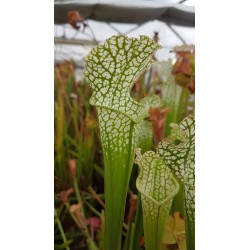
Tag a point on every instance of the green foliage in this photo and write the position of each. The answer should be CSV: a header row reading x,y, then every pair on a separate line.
x,y
144,135
75,127
152,101
181,159
157,186
112,69
66,243
121,115
172,94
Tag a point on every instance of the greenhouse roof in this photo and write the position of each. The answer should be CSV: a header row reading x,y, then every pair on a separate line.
x,y
172,20
128,11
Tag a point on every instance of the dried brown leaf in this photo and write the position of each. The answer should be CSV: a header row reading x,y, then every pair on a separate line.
x,y
184,67
74,18
64,195
158,118
72,168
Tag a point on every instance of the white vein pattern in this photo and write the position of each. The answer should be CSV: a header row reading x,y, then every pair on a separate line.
x,y
157,186
181,159
111,69
144,132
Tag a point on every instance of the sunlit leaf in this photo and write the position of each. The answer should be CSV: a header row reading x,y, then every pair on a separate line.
x,y
168,232
174,231
179,231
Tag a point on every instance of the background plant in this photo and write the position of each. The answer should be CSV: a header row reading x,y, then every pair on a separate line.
x,y
91,186
180,158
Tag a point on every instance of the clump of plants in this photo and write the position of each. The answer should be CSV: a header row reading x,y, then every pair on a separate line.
x,y
132,187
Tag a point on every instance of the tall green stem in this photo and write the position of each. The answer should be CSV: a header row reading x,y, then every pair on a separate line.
x,y
189,217
61,229
118,143
138,225
90,241
112,69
